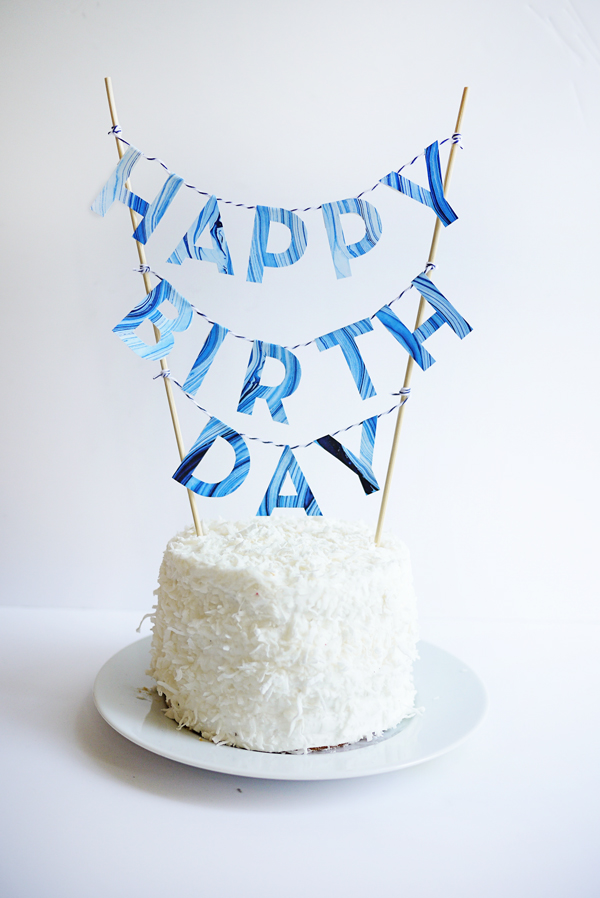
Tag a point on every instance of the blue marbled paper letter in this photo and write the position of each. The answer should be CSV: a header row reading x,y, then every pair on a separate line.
x,y
150,309
405,337
362,466
445,314
209,217
259,257
157,208
213,430
303,498
200,368
115,189
341,252
434,197
252,389
345,339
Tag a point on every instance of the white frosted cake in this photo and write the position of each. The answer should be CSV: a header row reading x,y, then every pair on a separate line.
x,y
285,633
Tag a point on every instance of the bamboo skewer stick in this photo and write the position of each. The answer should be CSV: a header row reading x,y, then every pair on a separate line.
x,y
418,323
148,285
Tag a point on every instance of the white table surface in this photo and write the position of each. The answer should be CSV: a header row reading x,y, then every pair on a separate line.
x,y
511,812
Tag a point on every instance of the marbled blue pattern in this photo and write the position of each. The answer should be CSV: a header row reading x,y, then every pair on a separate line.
x,y
345,339
303,498
150,309
115,189
405,337
252,389
434,197
341,252
209,217
362,466
157,208
199,369
233,481
259,257
447,312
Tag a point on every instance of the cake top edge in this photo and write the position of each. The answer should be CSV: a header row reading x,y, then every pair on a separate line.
x,y
286,540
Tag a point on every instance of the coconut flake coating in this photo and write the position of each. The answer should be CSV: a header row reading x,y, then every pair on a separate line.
x,y
285,633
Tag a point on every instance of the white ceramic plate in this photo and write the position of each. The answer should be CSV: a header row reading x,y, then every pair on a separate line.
x,y
451,694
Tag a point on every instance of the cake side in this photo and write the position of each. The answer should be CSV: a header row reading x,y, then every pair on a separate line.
x,y
285,633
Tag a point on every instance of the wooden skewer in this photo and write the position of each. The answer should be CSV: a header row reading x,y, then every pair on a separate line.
x,y
418,323
148,285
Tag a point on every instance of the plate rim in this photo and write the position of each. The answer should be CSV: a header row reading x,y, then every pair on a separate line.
x,y
217,759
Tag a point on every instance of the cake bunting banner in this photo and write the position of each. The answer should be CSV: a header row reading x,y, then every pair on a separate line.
x,y
360,465
209,218
252,389
344,337
208,221
287,465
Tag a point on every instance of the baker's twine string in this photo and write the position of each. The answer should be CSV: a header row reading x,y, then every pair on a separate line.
x,y
116,132
295,345
403,392
145,269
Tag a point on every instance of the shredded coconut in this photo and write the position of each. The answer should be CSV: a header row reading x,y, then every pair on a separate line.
x,y
282,634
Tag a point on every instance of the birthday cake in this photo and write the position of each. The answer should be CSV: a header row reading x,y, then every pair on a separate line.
x,y
283,634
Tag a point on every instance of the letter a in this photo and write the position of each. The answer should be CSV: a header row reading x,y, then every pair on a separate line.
x,y
186,248
303,498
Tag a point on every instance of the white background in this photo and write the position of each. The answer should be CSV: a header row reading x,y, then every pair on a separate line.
x,y
496,491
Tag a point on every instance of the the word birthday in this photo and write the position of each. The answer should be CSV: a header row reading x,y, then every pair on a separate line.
x,y
252,389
